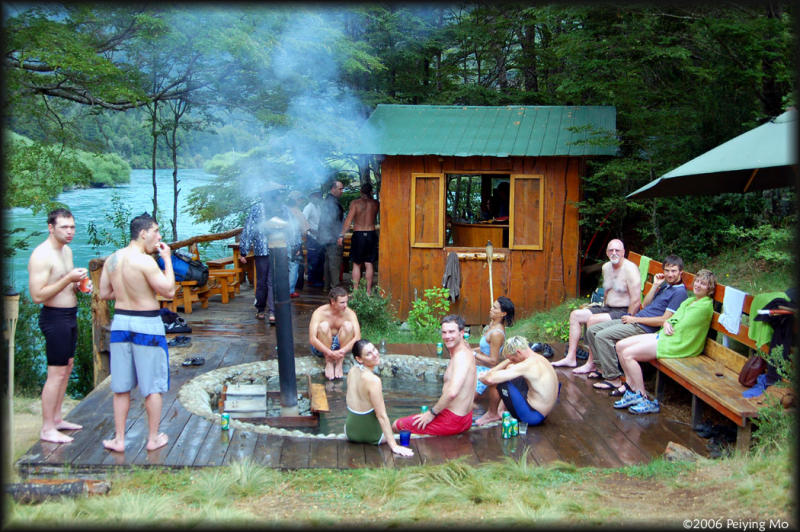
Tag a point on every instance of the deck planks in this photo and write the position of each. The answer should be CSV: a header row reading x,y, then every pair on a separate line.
x,y
583,428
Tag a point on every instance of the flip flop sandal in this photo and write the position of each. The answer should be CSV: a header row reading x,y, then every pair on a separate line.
x,y
196,361
180,341
272,319
259,315
594,375
604,385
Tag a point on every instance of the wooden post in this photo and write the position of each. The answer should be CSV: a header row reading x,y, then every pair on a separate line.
x,y
11,310
101,322
489,252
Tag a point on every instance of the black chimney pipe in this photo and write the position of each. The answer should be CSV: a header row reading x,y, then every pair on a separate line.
x,y
279,262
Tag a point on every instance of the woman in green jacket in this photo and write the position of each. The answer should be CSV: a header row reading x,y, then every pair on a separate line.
x,y
682,335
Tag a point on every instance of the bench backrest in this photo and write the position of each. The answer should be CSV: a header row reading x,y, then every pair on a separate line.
x,y
715,350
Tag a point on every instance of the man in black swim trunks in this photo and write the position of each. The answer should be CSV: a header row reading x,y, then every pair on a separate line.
x,y
53,280
364,244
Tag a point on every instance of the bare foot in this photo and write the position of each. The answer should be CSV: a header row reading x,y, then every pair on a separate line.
x,y
338,372
114,445
586,368
66,425
54,436
160,440
488,417
329,371
566,362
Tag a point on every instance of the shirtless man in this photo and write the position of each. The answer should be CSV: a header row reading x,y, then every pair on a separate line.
x,y
526,383
364,244
622,295
452,413
138,343
332,331
53,280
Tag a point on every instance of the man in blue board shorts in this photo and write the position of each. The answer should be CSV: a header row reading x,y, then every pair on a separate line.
x,y
138,345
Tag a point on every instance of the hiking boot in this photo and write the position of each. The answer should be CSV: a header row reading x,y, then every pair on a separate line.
x,y
630,398
646,406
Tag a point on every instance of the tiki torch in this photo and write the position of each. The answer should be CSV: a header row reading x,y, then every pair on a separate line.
x,y
11,312
489,251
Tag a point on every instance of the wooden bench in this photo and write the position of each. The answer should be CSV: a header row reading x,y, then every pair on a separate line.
x,y
697,374
222,281
186,293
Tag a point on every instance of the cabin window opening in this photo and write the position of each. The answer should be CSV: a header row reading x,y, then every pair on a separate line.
x,y
477,208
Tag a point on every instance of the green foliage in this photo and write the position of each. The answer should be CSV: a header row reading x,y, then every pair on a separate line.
x,y
107,169
37,173
375,312
769,243
30,364
81,380
119,217
427,312
548,325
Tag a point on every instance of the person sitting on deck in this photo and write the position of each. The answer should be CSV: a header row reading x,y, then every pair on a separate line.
x,y
622,295
662,300
332,331
367,421
683,335
452,413
526,383
487,354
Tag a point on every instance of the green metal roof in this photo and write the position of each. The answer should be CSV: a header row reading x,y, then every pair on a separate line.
x,y
500,131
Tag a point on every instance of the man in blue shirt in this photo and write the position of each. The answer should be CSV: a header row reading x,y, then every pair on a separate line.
x,y
661,302
254,238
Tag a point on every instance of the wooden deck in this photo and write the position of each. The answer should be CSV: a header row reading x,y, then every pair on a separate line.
x,y
583,429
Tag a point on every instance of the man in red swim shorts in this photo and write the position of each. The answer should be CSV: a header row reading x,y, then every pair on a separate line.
x,y
452,413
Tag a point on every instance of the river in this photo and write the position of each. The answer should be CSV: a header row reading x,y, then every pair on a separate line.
x,y
92,205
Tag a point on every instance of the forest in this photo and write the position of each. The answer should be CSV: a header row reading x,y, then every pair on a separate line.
x,y
280,91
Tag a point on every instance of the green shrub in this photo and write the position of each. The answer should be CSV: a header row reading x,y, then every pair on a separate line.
x,y
30,364
426,313
772,244
375,312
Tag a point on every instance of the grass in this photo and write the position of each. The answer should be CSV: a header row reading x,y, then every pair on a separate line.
x,y
514,492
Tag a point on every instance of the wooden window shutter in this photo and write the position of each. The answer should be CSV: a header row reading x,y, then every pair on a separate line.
x,y
427,210
526,212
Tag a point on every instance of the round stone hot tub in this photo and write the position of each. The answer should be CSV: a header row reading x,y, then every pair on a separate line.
x,y
408,382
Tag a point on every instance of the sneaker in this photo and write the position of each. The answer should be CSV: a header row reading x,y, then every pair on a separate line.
x,y
630,398
646,406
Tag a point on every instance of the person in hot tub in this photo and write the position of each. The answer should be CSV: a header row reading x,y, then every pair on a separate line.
x,y
487,354
367,421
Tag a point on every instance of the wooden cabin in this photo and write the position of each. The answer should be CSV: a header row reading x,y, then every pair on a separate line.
x,y
442,164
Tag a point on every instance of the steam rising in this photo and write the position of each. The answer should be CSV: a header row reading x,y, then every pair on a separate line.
x,y
323,119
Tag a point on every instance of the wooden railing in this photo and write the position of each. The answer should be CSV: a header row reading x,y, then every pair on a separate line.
x,y
101,312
